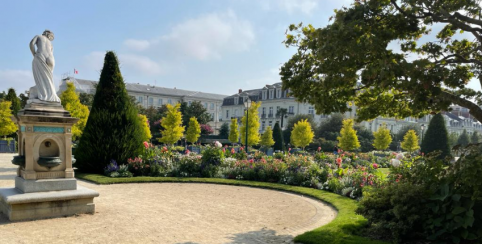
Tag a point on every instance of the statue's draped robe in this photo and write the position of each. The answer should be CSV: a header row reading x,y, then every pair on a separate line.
x,y
44,79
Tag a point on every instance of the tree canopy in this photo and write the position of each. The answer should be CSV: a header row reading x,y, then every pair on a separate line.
x,y
384,57
410,141
267,138
15,101
197,110
70,100
7,126
302,134
233,131
193,131
348,139
436,137
172,125
382,138
253,125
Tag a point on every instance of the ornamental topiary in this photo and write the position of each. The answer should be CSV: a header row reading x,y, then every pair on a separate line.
x,y
113,130
436,137
278,137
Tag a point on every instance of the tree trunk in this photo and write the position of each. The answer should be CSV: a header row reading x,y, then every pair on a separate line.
x,y
474,109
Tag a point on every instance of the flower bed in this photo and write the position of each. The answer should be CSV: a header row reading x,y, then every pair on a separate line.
x,y
345,174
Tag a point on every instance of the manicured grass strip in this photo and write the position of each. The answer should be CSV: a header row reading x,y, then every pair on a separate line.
x,y
342,229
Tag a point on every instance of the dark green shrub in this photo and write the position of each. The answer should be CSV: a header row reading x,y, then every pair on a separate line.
x,y
278,137
436,137
211,159
113,130
424,199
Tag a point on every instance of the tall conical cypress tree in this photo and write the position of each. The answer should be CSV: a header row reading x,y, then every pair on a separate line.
x,y
12,97
463,139
113,130
278,137
436,137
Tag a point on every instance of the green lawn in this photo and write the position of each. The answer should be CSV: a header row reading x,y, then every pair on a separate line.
x,y
342,229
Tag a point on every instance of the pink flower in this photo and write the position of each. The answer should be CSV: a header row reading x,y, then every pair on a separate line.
x,y
338,160
187,151
232,151
375,166
224,150
319,149
146,145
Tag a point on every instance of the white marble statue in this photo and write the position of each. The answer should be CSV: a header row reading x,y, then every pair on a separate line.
x,y
43,67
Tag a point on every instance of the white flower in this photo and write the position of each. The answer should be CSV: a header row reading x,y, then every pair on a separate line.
x,y
217,144
395,162
399,156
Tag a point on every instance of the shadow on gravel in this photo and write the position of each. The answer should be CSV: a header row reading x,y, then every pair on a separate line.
x,y
8,177
2,170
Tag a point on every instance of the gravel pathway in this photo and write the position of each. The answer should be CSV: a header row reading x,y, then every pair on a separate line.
x,y
173,213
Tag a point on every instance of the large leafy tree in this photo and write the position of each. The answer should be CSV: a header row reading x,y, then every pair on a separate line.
x,y
436,137
382,138
15,101
302,134
172,125
113,130
252,123
7,126
70,100
197,110
233,131
350,60
348,139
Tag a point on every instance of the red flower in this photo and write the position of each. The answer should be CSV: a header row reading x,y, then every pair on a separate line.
x,y
338,160
232,151
187,151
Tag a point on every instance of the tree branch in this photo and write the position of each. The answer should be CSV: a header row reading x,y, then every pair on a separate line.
x,y
474,109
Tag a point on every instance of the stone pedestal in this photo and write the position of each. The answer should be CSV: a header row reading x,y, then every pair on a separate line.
x,y
45,185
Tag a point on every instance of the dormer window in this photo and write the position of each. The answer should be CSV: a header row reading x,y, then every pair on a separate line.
x,y
278,93
264,95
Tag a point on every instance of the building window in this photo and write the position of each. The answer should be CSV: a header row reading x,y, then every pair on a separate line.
x,y
277,109
159,102
140,99
212,106
311,110
264,111
151,101
270,94
270,111
206,105
291,109
270,124
212,116
264,95
263,124
227,114
278,93
169,101
235,113
189,103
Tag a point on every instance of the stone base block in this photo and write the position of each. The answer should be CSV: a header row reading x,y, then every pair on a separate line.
x,y
19,206
28,186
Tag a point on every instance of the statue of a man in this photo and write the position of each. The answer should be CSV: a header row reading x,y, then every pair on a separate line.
x,y
43,67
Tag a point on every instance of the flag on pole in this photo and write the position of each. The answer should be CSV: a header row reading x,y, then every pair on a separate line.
x,y
76,71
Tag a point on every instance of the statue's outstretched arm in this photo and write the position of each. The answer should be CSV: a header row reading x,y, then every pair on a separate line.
x,y
32,45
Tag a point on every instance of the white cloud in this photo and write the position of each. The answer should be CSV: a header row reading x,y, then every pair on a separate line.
x,y
20,80
304,6
94,60
210,36
137,45
139,63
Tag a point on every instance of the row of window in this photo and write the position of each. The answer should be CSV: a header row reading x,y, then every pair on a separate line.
x,y
291,110
270,94
140,99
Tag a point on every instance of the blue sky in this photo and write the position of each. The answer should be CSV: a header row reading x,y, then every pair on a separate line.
x,y
215,46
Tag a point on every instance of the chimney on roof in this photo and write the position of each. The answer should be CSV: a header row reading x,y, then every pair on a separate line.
x,y
240,90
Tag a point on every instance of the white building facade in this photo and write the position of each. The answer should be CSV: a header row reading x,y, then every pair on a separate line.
x,y
155,96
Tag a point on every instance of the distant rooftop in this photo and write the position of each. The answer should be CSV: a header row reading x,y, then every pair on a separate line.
x,y
140,88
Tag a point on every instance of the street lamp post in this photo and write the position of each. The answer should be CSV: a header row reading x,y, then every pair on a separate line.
x,y
247,105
